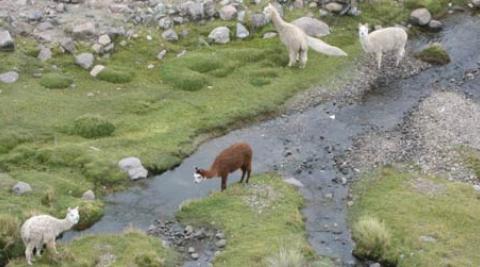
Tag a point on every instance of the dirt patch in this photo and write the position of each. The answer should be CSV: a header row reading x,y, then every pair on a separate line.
x,y
260,197
427,187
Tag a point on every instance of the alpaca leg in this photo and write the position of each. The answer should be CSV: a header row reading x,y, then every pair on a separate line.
x,y
28,253
51,245
249,171
224,183
38,250
244,170
303,58
400,55
379,60
292,58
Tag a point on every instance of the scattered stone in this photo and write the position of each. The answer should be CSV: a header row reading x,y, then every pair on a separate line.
x,y
188,230
109,48
220,235
209,8
269,35
104,39
312,27
21,188
322,13
96,70
149,38
194,256
435,25
90,94
170,35
181,54
258,20
220,35
84,30
119,8
88,196
44,54
165,23
476,187
6,41
150,66
123,43
162,54
191,250
427,239
376,264
293,182
97,48
68,44
9,77
85,60
298,4
329,196
242,32
221,243
60,8
476,3
133,166
334,7
44,26
228,12
35,15
420,17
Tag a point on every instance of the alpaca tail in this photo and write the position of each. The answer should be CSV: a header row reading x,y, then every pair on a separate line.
x,y
324,48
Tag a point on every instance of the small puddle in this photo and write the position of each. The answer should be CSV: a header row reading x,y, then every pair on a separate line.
x,y
308,146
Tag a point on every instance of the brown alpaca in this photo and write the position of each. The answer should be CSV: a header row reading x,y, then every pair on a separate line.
x,y
237,156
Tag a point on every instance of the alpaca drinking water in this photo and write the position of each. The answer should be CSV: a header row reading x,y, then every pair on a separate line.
x,y
237,156
297,41
383,40
43,229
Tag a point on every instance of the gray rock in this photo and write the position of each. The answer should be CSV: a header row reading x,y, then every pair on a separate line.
x,y
6,41
104,39
293,182
35,15
119,8
420,17
95,71
312,27
116,31
191,250
84,30
160,10
97,48
170,35
209,8
85,60
188,230
162,54
228,12
298,4
194,256
88,196
68,44
435,25
220,35
221,243
376,264
165,23
194,10
46,25
182,53
21,188
220,235
9,77
427,239
476,3
108,48
258,20
334,7
44,54
476,187
269,35
133,166
242,32
60,8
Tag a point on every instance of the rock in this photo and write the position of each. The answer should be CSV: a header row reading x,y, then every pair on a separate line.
x,y
420,17
220,35
88,196
194,256
334,7
182,53
119,8
116,31
68,44
6,41
84,30
376,264
269,35
312,27
191,250
60,8
170,35
228,12
96,70
435,25
21,188
97,48
293,182
241,16
9,77
108,48
44,54
209,8
476,3
434,54
322,13
162,54
35,15
44,26
188,230
298,4
133,166
427,239
85,60
258,20
221,243
312,5
165,23
476,187
193,9
242,32
104,39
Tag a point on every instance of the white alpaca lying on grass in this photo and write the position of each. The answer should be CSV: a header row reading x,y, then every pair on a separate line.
x,y
297,41
383,40
44,229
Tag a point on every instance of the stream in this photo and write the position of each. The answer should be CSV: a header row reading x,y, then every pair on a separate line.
x,y
307,146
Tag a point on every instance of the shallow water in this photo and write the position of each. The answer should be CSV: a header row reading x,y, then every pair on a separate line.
x,y
305,146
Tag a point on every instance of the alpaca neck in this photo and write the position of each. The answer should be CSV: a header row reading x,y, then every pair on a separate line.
x,y
210,173
62,225
277,21
366,45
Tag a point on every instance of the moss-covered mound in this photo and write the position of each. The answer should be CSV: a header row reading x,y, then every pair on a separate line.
x,y
90,213
55,81
115,75
434,54
92,126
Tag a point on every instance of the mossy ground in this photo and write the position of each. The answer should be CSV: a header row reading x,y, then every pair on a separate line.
x,y
411,206
258,220
434,54
127,249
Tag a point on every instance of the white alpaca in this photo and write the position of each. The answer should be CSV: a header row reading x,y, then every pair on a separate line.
x,y
383,40
297,41
44,229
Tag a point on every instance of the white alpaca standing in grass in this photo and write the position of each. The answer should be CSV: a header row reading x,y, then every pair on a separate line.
x,y
44,229
383,40
297,41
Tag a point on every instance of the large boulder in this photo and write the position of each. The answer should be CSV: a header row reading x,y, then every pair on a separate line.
x,y
334,7
9,77
44,54
420,17
68,44
133,166
84,30
220,35
241,32
21,188
228,12
170,35
209,8
258,20
6,41
193,9
85,60
312,27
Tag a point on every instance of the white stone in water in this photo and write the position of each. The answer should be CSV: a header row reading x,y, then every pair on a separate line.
x,y
133,166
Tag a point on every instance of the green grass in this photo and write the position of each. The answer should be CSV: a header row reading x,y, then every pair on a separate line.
x,y
92,126
115,75
253,234
411,205
434,54
131,248
55,81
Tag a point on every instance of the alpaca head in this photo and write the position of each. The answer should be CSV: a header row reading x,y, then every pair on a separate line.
x,y
199,175
268,10
73,216
363,30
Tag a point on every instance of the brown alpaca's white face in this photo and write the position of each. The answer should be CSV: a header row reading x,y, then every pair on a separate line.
x,y
198,176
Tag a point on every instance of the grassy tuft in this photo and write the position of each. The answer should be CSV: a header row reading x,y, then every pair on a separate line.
x,y
372,240
92,126
55,81
287,257
184,78
434,54
113,75
90,212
